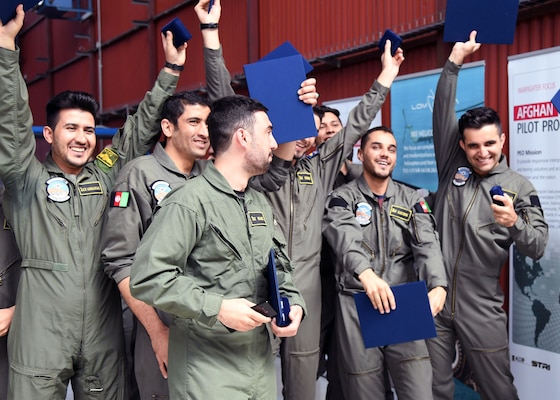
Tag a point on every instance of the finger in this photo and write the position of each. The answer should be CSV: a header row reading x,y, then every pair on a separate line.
x,y
472,36
387,49
162,369
309,82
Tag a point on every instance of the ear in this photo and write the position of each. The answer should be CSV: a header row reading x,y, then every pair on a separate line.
x,y
167,128
360,155
241,136
48,134
462,144
502,139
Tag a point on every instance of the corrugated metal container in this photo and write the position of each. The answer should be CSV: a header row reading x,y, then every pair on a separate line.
x,y
318,29
338,37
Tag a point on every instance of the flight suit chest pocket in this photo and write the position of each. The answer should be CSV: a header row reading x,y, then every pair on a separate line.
x,y
224,245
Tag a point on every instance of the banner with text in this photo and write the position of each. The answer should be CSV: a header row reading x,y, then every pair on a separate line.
x,y
534,137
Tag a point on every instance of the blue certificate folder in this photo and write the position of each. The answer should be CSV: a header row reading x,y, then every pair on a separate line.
x,y
493,20
411,320
8,8
280,304
275,82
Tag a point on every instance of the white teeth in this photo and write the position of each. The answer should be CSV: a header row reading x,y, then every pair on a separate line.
x,y
78,149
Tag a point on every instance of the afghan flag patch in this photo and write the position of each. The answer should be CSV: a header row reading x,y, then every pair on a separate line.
x,y
119,199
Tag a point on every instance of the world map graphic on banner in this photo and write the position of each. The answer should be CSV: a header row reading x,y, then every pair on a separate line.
x,y
537,304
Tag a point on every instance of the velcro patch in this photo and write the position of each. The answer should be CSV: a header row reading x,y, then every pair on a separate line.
x,y
257,219
401,213
337,202
107,157
305,178
535,202
90,188
422,207
510,193
119,199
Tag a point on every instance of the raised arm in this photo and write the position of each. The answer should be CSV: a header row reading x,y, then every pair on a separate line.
x,y
141,130
17,142
445,126
339,147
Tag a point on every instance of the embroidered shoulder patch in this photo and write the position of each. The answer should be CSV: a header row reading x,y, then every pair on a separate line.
x,y
119,199
107,157
401,213
257,219
422,207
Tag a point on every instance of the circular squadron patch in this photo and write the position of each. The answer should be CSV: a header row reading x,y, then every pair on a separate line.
x,y
363,213
461,176
160,189
58,189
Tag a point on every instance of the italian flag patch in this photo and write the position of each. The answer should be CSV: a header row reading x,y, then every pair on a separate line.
x,y
425,207
119,199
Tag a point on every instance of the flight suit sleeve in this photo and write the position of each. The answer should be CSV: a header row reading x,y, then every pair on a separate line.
x,y
218,80
444,120
141,130
17,142
530,231
128,215
284,271
157,277
10,262
344,234
425,246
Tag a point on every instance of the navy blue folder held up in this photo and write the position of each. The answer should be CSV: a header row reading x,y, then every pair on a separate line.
x,y
8,8
411,320
493,20
274,81
280,304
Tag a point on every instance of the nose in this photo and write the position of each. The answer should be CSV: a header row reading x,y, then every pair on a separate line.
x,y
204,130
273,143
80,135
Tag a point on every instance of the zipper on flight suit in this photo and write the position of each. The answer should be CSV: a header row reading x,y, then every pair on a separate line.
x,y
291,224
460,252
381,233
222,237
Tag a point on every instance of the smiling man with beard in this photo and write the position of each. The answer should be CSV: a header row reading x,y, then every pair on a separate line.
x,y
383,234
67,323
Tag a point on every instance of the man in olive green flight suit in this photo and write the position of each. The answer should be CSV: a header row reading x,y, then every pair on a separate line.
x,y
204,259
67,324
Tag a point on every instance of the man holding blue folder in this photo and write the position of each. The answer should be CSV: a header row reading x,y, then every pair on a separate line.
x,y
383,234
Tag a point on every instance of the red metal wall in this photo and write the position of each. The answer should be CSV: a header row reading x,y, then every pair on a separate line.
x,y
338,37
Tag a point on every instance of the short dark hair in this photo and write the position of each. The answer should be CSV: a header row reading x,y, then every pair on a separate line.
x,y
69,100
375,129
477,118
174,106
229,114
321,110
